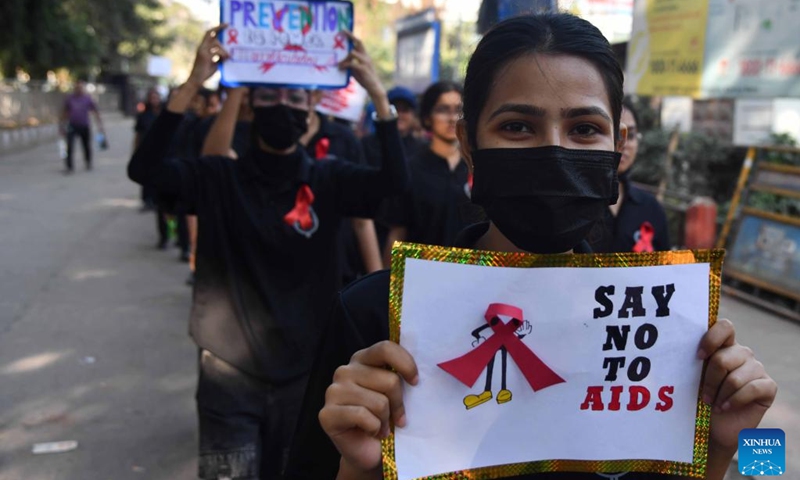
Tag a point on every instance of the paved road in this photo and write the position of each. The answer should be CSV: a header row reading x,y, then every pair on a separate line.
x,y
80,277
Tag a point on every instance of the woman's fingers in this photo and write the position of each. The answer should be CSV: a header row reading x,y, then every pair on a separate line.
x,y
354,395
760,391
722,334
214,31
337,419
358,45
736,379
392,355
721,363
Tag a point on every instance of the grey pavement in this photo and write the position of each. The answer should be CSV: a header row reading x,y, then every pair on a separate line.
x,y
93,322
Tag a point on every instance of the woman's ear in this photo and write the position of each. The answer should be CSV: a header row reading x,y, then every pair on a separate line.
x,y
622,139
463,142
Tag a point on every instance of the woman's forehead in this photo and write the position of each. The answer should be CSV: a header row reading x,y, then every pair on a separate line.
x,y
550,82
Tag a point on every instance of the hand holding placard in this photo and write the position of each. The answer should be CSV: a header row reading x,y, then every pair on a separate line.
x,y
363,70
209,54
736,384
361,401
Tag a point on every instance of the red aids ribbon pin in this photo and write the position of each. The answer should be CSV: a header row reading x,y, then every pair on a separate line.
x,y
233,36
467,368
300,215
645,241
322,148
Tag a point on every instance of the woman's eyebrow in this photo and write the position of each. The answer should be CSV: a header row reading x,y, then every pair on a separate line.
x,y
531,110
584,112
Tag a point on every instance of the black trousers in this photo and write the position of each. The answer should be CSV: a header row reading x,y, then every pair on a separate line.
x,y
246,424
85,134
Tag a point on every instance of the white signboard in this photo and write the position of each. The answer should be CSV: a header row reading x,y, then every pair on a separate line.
x,y
518,365
715,48
159,66
287,43
345,103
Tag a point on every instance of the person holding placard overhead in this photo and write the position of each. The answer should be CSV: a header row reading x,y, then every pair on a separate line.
x,y
266,264
542,101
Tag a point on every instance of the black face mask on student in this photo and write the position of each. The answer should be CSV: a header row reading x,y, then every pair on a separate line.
x,y
280,126
545,199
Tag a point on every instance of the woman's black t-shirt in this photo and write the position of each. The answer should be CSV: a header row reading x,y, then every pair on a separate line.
x,y
361,319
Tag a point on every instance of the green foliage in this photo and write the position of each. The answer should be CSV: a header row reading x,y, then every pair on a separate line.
x,y
80,35
457,43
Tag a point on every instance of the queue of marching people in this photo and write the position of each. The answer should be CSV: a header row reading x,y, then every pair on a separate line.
x,y
289,217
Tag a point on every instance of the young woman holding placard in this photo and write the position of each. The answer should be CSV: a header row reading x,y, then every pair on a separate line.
x,y
542,94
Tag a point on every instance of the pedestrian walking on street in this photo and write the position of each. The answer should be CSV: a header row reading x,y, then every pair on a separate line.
x,y
76,123
266,258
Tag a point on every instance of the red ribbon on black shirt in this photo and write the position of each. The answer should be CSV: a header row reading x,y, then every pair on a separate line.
x,y
322,147
301,213
467,368
645,242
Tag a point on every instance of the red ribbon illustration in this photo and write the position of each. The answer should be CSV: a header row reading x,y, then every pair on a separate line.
x,y
339,39
467,368
233,37
322,147
645,242
300,215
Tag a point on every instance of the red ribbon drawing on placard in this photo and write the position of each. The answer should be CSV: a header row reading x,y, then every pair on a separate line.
x,y
233,37
339,39
302,216
467,368
645,241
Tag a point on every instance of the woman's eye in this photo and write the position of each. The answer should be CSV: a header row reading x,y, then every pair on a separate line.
x,y
586,130
518,127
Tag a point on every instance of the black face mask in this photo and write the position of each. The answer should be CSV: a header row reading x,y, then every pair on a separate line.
x,y
280,126
545,199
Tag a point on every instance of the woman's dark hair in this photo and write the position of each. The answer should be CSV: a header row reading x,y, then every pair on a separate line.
x,y
627,104
549,33
431,96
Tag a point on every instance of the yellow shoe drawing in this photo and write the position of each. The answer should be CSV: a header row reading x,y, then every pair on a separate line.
x,y
471,401
503,396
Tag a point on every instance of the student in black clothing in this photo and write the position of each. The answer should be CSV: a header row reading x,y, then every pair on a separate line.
x,y
637,222
541,129
241,135
405,102
144,120
358,243
437,205
266,268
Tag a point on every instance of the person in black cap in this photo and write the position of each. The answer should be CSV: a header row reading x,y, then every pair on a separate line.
x,y
266,258
405,102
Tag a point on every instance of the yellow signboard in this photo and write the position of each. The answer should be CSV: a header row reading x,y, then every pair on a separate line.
x,y
666,48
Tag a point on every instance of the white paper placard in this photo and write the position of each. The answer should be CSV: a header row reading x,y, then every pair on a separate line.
x,y
346,103
287,43
443,303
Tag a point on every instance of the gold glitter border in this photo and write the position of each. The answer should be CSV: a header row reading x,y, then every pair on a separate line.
x,y
696,469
